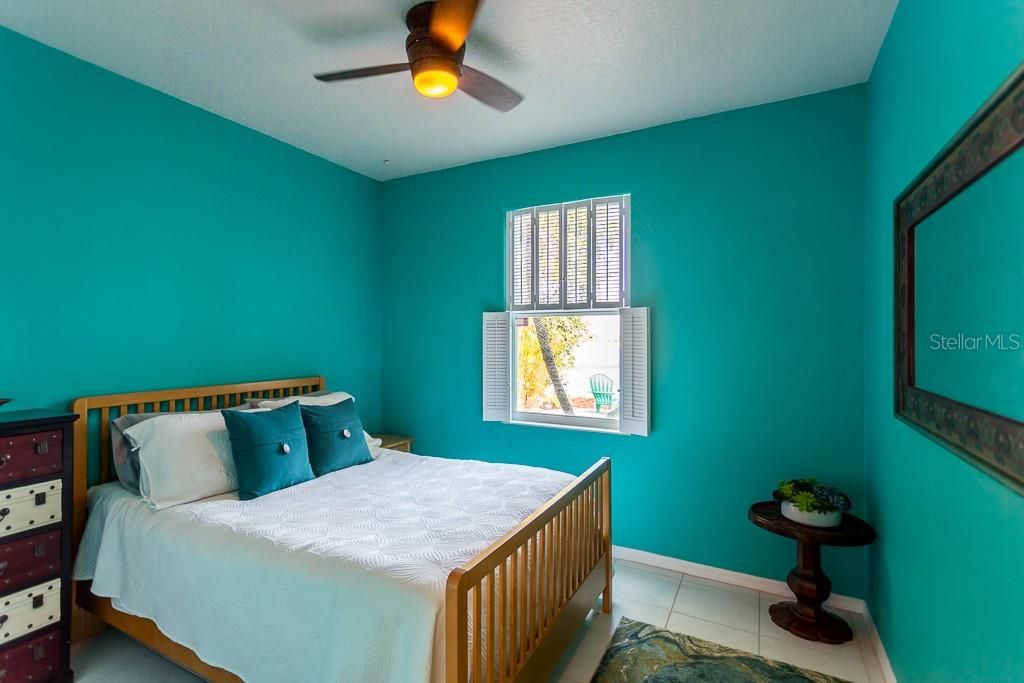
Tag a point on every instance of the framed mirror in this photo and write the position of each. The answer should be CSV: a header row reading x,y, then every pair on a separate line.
x,y
959,241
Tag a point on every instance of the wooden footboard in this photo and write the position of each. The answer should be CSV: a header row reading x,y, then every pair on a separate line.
x,y
511,611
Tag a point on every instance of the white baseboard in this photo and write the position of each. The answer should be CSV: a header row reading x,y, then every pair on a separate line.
x,y
876,640
843,602
758,583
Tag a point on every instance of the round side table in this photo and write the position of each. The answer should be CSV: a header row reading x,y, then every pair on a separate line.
x,y
805,617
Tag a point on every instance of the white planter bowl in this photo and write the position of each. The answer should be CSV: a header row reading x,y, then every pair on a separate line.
x,y
814,518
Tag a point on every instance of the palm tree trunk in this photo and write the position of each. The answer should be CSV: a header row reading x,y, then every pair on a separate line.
x,y
549,362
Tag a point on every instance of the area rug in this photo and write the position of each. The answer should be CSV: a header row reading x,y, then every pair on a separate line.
x,y
641,653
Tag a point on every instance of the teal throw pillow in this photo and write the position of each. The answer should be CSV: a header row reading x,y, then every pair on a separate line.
x,y
335,436
269,449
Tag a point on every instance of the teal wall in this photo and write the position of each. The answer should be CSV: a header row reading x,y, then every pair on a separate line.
x,y
746,244
145,244
945,575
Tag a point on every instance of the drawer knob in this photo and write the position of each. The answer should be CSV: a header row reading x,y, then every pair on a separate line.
x,y
3,567
38,652
42,448
4,512
4,459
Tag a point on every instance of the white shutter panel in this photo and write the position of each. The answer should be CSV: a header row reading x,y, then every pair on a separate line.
x,y
549,252
634,341
497,389
608,222
521,246
577,261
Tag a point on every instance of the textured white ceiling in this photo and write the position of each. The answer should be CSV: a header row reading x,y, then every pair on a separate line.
x,y
588,68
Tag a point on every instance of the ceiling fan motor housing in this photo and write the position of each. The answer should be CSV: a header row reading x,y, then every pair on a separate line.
x,y
424,52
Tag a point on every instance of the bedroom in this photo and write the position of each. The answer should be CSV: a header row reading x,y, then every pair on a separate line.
x,y
182,205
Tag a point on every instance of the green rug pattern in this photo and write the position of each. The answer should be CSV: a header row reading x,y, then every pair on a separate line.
x,y
641,653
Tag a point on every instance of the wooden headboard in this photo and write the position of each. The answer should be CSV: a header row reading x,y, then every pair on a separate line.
x,y
96,412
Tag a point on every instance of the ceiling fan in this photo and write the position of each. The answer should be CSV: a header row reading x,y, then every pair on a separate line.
x,y
436,47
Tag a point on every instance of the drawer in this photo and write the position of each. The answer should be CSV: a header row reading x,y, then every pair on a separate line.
x,y
29,610
36,659
31,455
29,560
28,507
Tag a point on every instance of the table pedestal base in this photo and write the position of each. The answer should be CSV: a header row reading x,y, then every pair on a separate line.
x,y
805,617
825,627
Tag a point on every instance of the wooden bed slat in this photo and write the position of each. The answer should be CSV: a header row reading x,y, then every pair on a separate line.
x,y
503,631
477,633
105,443
491,625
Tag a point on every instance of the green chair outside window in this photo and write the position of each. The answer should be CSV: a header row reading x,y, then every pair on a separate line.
x,y
601,388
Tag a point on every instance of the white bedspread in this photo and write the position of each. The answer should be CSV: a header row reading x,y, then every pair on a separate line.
x,y
337,580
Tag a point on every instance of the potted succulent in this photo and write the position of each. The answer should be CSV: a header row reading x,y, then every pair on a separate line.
x,y
808,502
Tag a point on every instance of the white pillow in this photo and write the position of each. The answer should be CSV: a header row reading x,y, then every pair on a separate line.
x,y
182,458
323,400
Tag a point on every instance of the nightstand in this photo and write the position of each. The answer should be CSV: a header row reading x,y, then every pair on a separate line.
x,y
805,617
35,545
395,442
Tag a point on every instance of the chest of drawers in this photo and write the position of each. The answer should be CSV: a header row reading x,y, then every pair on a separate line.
x,y
35,546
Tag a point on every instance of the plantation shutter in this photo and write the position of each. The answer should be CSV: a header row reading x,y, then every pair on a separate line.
x,y
569,256
636,372
577,262
549,257
497,387
521,255
607,251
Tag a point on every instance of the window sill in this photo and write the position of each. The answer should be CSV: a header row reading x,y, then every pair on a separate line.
x,y
555,425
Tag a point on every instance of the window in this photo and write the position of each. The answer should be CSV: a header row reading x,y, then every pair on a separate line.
x,y
568,351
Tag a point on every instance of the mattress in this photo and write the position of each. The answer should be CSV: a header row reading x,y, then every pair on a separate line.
x,y
338,579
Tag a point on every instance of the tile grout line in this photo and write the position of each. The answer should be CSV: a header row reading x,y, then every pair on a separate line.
x,y
717,623
675,598
639,567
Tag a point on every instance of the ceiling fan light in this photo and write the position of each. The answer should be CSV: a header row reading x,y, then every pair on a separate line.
x,y
435,77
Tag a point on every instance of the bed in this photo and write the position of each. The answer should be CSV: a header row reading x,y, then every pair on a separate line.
x,y
471,571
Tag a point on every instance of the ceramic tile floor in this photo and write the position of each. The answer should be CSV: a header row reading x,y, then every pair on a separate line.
x,y
730,615
726,614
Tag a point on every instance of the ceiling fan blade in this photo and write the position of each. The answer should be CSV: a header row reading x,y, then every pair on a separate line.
x,y
451,21
361,73
488,90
